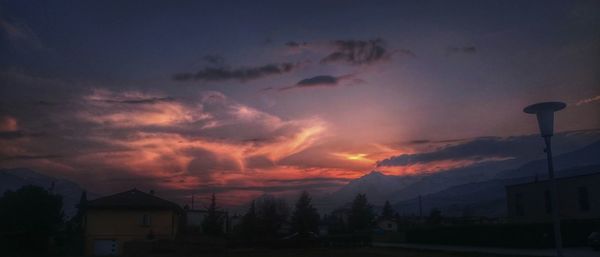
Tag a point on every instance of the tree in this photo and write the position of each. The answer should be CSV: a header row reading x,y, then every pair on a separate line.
x,y
305,217
272,213
74,228
250,222
388,211
361,214
435,216
29,217
213,223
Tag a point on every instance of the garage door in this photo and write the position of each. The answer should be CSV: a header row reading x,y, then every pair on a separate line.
x,y
105,247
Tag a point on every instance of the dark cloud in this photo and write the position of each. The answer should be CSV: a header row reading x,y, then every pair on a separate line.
x,y
12,134
46,103
524,147
406,52
150,100
258,162
318,80
241,74
305,180
464,50
266,188
323,81
358,52
294,44
426,141
29,157
215,60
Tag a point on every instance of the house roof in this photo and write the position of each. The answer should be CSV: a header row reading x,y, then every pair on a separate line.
x,y
132,199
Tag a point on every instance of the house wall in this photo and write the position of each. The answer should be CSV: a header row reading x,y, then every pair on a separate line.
x,y
533,199
388,225
127,225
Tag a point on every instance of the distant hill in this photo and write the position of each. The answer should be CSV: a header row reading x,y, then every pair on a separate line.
x,y
477,189
380,187
487,198
13,179
376,185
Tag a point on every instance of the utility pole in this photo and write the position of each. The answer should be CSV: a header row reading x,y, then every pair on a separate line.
x,y
420,207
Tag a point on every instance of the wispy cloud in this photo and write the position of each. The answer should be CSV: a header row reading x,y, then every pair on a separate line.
x,y
151,136
20,35
8,124
588,100
294,44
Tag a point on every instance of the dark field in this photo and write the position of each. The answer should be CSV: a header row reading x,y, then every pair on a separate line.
x,y
345,252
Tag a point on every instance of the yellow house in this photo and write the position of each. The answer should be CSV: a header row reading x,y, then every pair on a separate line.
x,y
132,215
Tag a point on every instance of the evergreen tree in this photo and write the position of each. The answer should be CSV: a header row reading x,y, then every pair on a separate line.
x,y
361,214
305,217
388,211
213,223
250,222
75,226
272,213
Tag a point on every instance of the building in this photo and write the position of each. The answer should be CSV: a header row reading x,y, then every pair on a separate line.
x,y
132,215
578,199
390,225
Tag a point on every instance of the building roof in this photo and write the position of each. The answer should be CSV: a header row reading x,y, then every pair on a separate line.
x,y
133,199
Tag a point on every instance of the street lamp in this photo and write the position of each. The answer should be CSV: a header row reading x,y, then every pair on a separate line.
x,y
545,116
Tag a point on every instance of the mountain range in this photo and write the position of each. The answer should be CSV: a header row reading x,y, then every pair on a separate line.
x,y
477,190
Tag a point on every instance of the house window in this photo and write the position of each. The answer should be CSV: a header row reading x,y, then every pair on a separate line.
x,y
519,204
548,201
146,220
584,199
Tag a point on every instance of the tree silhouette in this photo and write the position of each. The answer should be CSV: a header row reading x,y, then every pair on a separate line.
x,y
213,223
264,218
29,217
361,214
435,216
388,211
305,217
272,213
250,222
74,228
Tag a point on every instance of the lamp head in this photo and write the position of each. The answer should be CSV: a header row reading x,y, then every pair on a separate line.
x,y
545,115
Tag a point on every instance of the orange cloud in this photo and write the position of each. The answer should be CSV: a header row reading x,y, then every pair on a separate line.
x,y
8,124
191,136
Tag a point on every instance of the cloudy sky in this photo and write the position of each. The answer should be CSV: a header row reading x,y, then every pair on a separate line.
x,y
242,98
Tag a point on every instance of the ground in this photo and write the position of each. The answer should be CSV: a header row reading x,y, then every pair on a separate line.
x,y
345,252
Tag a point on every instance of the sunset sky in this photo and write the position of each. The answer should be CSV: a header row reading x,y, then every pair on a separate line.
x,y
244,98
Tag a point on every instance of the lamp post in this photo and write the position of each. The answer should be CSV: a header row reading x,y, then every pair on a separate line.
x,y
545,117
